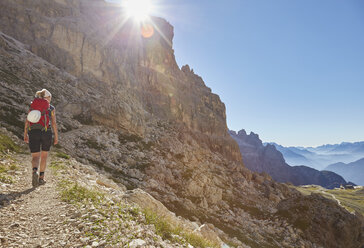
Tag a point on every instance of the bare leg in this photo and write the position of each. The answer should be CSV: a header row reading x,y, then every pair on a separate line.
x,y
43,162
35,159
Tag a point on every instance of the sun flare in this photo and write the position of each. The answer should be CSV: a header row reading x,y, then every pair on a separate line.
x,y
138,9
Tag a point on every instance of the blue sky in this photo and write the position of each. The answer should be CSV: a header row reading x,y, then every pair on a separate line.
x,y
290,70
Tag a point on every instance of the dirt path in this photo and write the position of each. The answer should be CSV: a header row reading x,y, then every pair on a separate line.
x,y
324,191
99,216
35,217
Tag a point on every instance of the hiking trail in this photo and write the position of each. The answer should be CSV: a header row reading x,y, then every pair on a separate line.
x,y
35,217
77,207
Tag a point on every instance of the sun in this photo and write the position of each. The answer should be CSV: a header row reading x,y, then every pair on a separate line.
x,y
138,9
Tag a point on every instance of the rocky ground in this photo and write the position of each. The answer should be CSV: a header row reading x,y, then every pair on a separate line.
x,y
77,207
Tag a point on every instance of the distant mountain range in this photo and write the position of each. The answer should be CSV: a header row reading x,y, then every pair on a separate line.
x,y
322,156
352,171
266,158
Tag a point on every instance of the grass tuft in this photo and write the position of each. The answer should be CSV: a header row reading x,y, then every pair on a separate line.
x,y
3,168
71,192
165,229
6,179
62,155
57,166
13,167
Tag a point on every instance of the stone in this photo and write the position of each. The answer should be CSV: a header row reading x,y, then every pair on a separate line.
x,y
136,243
106,183
15,225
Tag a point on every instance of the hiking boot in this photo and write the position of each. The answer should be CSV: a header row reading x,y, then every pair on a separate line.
x,y
35,179
41,181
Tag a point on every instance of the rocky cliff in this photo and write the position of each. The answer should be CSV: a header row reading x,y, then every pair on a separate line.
x,y
94,42
266,158
124,106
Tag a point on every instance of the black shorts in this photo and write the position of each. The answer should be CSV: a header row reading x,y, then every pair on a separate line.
x,y
40,139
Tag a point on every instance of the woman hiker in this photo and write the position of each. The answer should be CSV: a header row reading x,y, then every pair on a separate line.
x,y
40,133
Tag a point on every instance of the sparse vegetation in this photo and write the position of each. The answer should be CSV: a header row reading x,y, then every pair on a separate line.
x,y
72,192
351,199
13,167
6,144
167,231
3,168
122,215
57,167
6,179
62,155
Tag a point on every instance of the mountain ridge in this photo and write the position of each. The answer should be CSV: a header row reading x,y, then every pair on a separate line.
x,y
353,171
320,157
266,158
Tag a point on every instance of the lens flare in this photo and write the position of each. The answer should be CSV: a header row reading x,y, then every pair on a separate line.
x,y
138,9
147,30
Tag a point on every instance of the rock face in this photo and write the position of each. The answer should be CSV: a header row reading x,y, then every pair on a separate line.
x,y
124,106
265,158
94,42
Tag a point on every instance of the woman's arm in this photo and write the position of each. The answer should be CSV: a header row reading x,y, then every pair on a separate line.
x,y
26,126
54,126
